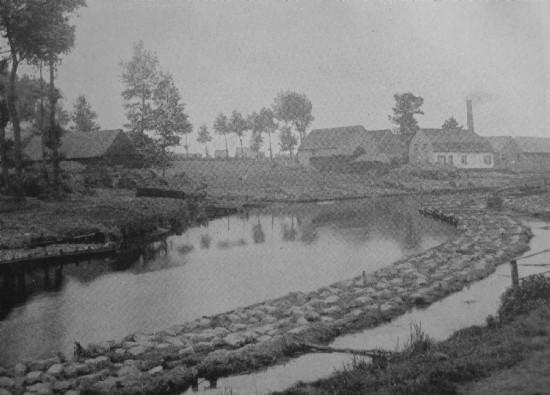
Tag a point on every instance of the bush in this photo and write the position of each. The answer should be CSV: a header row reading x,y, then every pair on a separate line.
x,y
532,292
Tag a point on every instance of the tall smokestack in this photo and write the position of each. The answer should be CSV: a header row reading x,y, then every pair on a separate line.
x,y
469,115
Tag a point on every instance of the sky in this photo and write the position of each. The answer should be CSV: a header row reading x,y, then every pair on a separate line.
x,y
349,57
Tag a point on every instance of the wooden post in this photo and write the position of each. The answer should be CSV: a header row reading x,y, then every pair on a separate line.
x,y
515,274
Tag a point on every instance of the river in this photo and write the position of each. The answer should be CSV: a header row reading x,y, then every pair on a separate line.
x,y
210,268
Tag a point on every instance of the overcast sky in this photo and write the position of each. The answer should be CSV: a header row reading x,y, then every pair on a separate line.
x,y
348,57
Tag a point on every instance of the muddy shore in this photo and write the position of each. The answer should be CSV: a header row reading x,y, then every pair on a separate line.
x,y
266,333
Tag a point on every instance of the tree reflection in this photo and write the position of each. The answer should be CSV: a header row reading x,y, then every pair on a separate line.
x,y
205,242
258,234
289,231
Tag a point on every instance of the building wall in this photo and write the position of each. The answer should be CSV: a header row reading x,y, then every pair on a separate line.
x,y
464,160
509,157
535,162
420,149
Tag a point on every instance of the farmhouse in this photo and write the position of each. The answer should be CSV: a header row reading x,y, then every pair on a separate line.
x,y
460,148
351,143
507,152
109,147
522,154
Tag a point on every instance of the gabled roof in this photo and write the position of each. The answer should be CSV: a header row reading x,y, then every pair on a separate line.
x,y
76,145
457,141
340,137
499,142
532,145
348,139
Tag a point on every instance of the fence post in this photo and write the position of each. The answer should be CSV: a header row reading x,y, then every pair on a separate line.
x,y
515,274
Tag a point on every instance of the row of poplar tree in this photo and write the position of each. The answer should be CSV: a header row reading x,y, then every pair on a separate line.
x,y
157,119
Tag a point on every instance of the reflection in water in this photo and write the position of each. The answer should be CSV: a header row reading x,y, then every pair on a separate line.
x,y
259,256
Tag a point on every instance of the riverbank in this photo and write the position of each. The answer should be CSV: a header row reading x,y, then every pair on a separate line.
x,y
266,333
108,217
518,336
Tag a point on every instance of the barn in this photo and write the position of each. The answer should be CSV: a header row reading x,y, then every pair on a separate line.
x,y
460,148
103,147
343,145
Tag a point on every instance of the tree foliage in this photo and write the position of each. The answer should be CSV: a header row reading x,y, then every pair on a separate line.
x,y
263,122
140,76
35,31
294,109
288,140
169,119
83,117
238,125
407,105
221,127
204,137
451,124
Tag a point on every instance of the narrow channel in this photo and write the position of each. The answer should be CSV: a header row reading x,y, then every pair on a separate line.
x,y
469,307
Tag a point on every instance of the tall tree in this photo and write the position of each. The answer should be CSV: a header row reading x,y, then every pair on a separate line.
x,y
83,117
238,125
34,30
4,119
288,140
140,76
204,137
256,141
406,107
221,127
264,122
169,119
294,109
451,124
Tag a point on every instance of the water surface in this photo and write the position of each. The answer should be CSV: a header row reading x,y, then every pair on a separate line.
x,y
224,264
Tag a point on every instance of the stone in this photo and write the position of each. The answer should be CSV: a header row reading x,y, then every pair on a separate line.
x,y
175,341
41,388
4,391
186,351
156,370
106,386
6,382
137,350
204,322
72,392
20,369
56,369
235,340
60,386
331,299
33,377
129,370
98,362
298,330
302,321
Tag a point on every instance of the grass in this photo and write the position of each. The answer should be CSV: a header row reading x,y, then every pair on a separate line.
x,y
518,334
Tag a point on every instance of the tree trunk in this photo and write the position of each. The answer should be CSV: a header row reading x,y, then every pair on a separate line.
x,y
270,150
14,116
241,141
164,160
4,156
54,133
42,131
226,149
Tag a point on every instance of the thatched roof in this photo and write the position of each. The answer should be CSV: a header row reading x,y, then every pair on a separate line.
x,y
76,145
499,142
533,145
348,139
457,141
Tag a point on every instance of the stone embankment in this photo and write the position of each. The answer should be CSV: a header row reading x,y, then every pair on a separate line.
x,y
247,338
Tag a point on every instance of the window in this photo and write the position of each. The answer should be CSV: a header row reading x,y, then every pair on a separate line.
x,y
441,159
464,159
487,159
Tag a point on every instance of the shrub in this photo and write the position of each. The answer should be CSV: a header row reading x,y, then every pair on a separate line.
x,y
532,292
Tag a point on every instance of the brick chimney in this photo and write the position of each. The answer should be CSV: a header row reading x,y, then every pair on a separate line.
x,y
469,115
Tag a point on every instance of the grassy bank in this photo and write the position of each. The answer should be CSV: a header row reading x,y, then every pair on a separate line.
x,y
521,328
117,214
